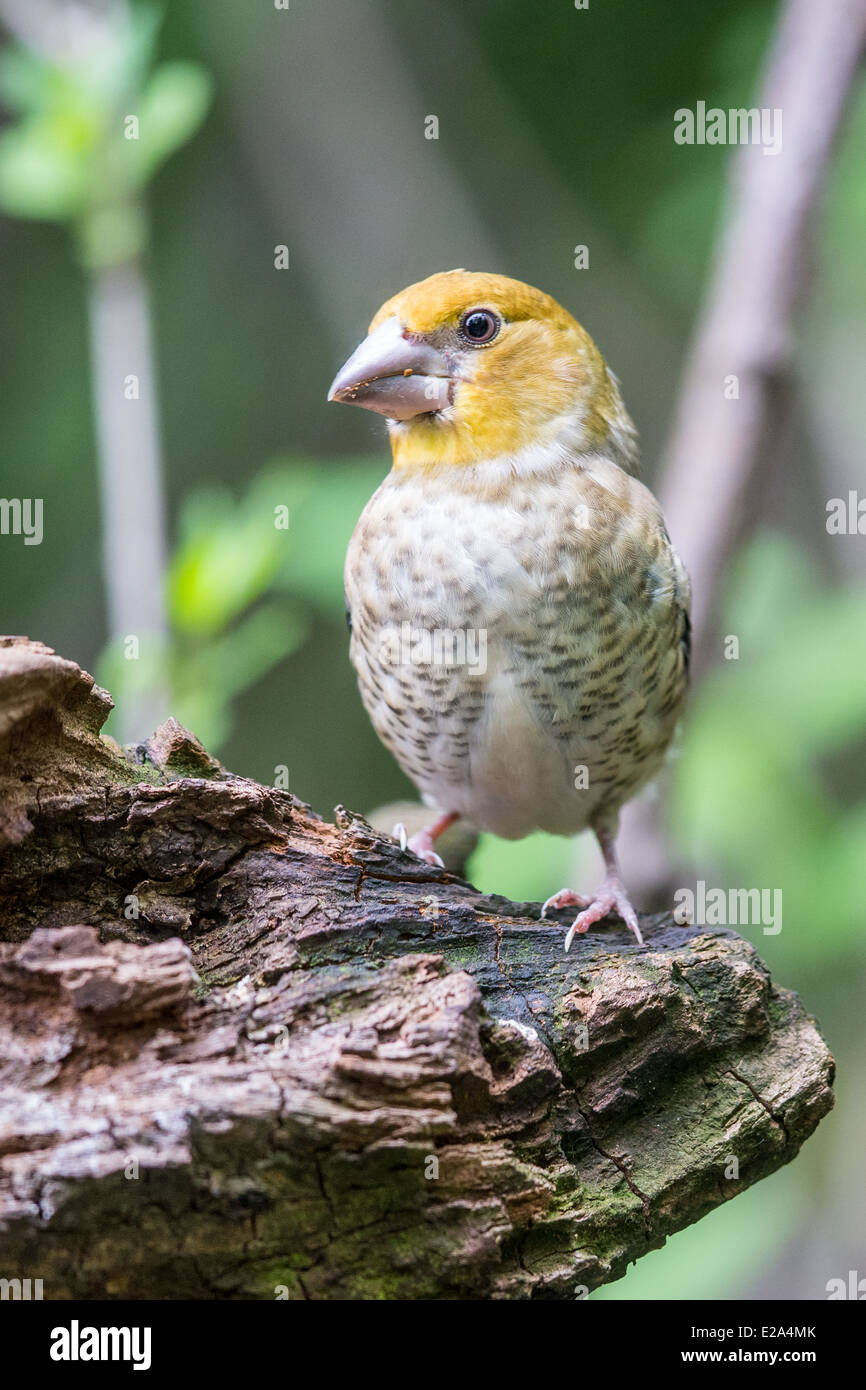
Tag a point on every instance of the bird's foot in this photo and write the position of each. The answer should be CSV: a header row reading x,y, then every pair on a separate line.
x,y
565,898
422,843
611,897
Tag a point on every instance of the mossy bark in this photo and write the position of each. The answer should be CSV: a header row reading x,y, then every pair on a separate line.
x,y
250,1054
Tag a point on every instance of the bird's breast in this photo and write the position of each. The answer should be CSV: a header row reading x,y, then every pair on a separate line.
x,y
506,636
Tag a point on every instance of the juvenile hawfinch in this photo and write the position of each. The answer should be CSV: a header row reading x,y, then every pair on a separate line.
x,y
519,617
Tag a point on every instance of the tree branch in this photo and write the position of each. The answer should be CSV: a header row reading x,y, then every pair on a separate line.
x,y
247,1051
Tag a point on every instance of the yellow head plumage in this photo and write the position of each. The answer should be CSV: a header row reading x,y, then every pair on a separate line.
x,y
472,366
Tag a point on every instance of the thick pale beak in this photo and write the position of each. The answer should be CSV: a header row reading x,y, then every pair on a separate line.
x,y
391,374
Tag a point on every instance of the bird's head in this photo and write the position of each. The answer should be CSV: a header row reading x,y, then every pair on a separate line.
x,y
470,367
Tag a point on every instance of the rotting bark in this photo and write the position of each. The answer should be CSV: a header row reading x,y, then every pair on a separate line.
x,y
314,1064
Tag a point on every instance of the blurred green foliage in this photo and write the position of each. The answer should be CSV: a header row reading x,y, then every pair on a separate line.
x,y
753,793
241,586
230,552
91,133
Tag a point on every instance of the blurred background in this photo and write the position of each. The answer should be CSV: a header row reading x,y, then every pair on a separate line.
x,y
179,290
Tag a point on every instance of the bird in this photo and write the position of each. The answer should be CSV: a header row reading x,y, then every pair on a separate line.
x,y
519,618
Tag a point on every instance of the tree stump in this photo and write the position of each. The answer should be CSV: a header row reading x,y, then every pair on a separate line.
x,y
250,1054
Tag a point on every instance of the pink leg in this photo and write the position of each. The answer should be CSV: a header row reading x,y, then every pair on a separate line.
x,y
422,843
611,896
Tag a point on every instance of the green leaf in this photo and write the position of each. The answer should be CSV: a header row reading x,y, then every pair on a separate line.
x,y
228,556
39,177
234,661
171,109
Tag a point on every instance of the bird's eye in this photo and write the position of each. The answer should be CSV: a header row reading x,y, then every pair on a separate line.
x,y
479,326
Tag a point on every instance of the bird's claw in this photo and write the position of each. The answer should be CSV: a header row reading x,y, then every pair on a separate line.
x,y
431,857
564,898
611,897
421,845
